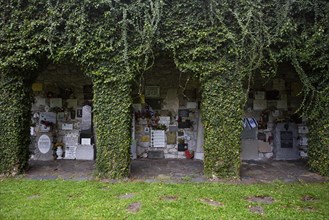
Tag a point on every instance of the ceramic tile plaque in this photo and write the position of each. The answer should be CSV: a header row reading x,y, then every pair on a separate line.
x,y
44,144
86,118
43,149
55,102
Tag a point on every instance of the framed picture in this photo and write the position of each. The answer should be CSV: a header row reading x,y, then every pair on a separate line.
x,y
79,112
152,91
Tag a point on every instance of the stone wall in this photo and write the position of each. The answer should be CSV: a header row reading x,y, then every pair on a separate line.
x,y
60,113
271,102
175,106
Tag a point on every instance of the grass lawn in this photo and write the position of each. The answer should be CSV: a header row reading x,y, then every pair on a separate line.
x,y
63,199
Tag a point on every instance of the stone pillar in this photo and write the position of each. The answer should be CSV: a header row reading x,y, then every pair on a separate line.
x,y
222,102
112,120
14,123
199,153
318,136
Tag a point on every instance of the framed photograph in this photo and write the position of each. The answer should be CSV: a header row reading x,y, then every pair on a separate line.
x,y
152,91
79,112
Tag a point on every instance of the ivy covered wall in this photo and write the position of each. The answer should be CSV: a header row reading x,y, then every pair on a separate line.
x,y
15,121
222,103
218,42
319,134
112,102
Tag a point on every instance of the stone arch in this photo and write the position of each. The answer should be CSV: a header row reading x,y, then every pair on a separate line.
x,y
113,54
60,92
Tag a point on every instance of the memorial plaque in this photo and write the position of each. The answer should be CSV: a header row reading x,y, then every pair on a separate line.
x,y
47,116
43,150
86,118
286,139
44,144
285,145
55,102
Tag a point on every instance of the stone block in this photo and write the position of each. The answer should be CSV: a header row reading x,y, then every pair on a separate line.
x,y
198,156
70,152
170,146
302,154
192,144
264,147
181,155
171,102
170,156
191,105
268,155
43,150
141,150
144,144
259,104
85,152
303,141
249,150
249,133
155,154
133,150
172,150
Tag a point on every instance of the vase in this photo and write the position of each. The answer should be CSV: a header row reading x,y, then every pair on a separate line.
x,y
59,153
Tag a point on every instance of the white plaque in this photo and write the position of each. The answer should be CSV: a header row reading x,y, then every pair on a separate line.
x,y
85,141
44,144
55,102
40,101
259,104
86,118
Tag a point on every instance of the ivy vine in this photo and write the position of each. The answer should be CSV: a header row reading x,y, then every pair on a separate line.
x,y
221,43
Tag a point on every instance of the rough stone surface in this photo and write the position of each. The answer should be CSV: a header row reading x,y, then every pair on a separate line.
x,y
127,196
134,207
256,209
149,170
268,171
264,147
169,198
261,199
170,156
249,150
62,75
307,198
171,101
268,155
174,93
211,202
61,169
261,155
